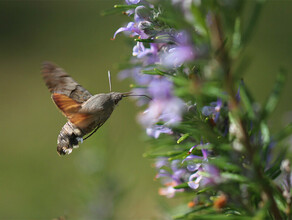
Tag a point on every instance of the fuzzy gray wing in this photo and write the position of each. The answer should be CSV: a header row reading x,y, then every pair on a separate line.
x,y
58,81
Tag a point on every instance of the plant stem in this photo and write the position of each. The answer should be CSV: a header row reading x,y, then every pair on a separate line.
x,y
222,56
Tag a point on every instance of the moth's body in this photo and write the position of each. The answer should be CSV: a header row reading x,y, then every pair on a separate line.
x,y
97,103
85,113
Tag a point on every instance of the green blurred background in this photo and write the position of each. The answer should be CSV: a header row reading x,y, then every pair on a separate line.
x,y
107,177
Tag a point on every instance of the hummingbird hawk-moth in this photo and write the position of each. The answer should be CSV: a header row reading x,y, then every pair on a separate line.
x,y
85,112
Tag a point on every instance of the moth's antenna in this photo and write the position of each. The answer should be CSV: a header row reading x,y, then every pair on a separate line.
x,y
109,80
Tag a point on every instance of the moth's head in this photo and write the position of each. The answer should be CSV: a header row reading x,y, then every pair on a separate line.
x,y
116,97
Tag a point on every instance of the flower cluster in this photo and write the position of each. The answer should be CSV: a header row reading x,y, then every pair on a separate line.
x,y
206,134
166,49
193,170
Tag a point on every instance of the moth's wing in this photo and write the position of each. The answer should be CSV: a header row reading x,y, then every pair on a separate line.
x,y
58,81
71,109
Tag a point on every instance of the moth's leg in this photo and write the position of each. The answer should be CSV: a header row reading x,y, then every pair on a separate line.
x,y
68,151
80,139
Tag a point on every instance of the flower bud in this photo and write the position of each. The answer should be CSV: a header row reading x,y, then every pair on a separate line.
x,y
142,13
285,166
147,27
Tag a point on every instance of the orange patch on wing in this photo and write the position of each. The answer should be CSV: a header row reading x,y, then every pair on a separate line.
x,y
81,120
70,109
66,104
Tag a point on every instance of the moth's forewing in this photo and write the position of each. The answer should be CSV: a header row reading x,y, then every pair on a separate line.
x,y
67,94
58,81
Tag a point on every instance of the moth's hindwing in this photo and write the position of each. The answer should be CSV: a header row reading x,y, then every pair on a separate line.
x,y
67,105
70,108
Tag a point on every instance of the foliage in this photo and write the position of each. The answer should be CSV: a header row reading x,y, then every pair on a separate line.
x,y
210,141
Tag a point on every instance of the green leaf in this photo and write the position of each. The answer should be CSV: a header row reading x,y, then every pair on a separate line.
x,y
275,170
182,186
117,9
235,177
125,7
164,38
161,154
145,40
136,86
205,147
152,72
155,71
180,156
284,133
255,12
247,101
200,20
273,99
265,133
196,209
263,212
212,90
265,138
236,38
223,164
217,216
182,138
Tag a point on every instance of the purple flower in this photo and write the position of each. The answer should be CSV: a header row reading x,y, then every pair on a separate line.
x,y
164,107
167,111
169,191
131,27
193,167
192,157
176,174
141,13
205,174
213,176
213,109
132,2
198,169
204,153
194,180
135,73
148,55
156,130
177,56
170,177
182,52
178,171
161,89
138,49
160,162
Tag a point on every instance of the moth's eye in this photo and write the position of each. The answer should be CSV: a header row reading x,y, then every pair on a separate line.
x,y
117,99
